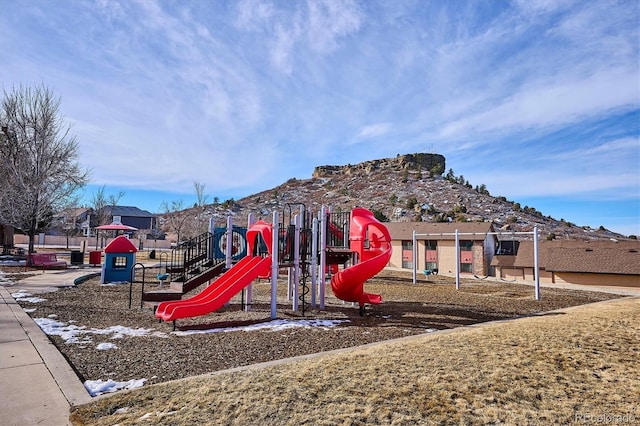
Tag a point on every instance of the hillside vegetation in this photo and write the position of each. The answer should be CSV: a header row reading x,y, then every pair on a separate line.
x,y
412,187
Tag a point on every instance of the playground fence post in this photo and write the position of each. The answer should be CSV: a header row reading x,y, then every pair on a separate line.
x,y
314,260
415,256
296,261
247,306
323,254
536,269
229,235
457,260
274,265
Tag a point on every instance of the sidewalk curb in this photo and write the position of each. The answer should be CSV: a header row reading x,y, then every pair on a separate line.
x,y
64,376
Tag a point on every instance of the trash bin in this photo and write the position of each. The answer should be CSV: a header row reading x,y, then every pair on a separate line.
x,y
152,254
95,257
77,257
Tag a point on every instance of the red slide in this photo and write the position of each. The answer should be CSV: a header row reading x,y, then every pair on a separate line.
x,y
227,285
371,240
219,292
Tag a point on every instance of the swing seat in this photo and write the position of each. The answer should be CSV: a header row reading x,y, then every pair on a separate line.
x,y
162,278
428,272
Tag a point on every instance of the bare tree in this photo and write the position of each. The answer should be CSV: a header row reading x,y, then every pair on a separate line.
x,y
38,160
201,197
175,217
100,203
200,222
70,223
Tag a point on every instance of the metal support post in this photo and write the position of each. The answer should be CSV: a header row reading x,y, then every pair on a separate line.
x,y
274,265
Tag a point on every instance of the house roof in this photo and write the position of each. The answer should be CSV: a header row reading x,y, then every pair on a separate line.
x,y
404,230
74,212
621,257
599,260
120,244
128,211
503,261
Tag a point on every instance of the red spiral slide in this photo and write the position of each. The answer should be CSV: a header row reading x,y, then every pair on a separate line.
x,y
371,240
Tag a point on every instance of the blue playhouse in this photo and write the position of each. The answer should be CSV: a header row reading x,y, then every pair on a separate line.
x,y
119,258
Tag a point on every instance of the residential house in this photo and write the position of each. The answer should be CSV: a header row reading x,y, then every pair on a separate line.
x,y
82,221
609,263
132,216
436,246
73,222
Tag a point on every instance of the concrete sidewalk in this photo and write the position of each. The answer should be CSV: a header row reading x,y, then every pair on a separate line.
x,y
37,384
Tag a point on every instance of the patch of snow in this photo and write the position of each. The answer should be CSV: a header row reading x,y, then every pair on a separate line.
x,y
99,387
32,299
105,346
68,333
120,331
30,310
80,334
275,325
112,283
12,262
23,296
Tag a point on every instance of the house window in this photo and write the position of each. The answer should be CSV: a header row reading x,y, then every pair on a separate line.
x,y
431,255
119,262
466,256
407,254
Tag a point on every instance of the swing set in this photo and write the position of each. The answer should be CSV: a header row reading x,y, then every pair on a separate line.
x,y
457,235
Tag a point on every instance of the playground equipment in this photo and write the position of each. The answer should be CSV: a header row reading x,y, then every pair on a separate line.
x,y
370,241
456,234
119,258
228,284
309,249
197,261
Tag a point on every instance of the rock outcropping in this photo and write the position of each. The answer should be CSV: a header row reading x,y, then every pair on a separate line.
x,y
419,162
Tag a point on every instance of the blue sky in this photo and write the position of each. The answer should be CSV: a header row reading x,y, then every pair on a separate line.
x,y
537,99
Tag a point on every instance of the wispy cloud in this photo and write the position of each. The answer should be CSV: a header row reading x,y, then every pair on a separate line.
x,y
295,29
243,95
551,104
374,130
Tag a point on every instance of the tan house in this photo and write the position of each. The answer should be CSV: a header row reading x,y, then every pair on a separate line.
x,y
610,263
435,244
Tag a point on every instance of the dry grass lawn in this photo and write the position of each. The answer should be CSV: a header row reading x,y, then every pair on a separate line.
x,y
579,365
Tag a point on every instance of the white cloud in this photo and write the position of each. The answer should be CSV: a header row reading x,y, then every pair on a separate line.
x,y
330,20
242,97
609,152
551,104
535,183
374,130
253,15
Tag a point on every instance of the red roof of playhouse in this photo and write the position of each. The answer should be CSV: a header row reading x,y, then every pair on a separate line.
x,y
120,244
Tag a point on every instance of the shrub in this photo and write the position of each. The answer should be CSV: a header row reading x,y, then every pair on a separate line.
x,y
411,203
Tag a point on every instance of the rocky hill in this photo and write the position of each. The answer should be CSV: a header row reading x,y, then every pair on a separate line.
x,y
412,187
